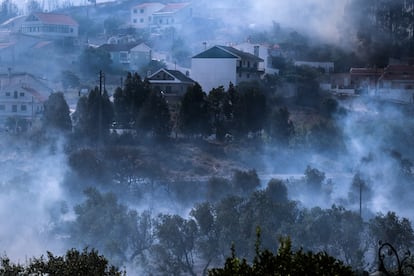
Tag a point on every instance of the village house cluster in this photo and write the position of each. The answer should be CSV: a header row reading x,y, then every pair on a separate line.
x,y
22,94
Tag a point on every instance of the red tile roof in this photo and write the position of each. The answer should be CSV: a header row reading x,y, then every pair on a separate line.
x,y
398,72
6,45
39,97
173,7
145,5
366,71
41,44
54,18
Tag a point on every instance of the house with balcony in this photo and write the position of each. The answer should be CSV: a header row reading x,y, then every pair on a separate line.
x,y
22,95
262,51
222,65
50,25
141,15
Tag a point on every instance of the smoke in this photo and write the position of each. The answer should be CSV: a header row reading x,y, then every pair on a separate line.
x,y
378,149
30,190
316,18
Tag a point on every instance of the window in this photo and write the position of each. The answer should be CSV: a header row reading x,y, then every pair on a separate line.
x,y
23,107
168,89
141,11
8,94
123,56
2,107
248,76
149,18
21,94
135,11
15,94
135,21
14,108
141,20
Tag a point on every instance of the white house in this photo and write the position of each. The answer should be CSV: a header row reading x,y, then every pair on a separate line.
x,y
140,55
21,95
222,65
129,56
141,15
50,25
172,15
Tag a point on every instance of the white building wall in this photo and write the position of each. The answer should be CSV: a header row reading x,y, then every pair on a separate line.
x,y
262,52
213,72
141,17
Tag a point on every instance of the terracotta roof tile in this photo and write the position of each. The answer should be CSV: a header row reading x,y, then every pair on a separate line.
x,y
173,7
54,18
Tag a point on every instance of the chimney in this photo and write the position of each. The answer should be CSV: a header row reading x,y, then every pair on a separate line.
x,y
256,50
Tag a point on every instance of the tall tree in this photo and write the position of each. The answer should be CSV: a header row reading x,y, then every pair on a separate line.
x,y
194,117
392,229
8,10
33,6
129,100
219,101
94,115
249,109
154,116
175,251
104,223
280,126
56,113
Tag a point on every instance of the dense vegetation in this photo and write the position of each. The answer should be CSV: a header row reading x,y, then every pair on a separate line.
x,y
169,189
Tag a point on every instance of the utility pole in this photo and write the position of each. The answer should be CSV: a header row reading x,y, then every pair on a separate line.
x,y
101,79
